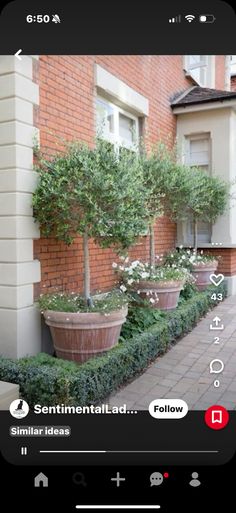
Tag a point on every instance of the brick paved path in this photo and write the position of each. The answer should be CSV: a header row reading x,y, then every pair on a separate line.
x,y
183,372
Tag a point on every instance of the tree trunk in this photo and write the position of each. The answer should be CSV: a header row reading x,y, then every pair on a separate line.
x,y
195,241
86,269
151,247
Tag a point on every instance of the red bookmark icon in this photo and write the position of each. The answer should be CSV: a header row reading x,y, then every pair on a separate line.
x,y
216,417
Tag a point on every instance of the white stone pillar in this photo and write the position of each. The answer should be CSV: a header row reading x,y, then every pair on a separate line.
x,y
20,333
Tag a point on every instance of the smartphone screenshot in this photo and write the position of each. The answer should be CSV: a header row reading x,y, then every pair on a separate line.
x,y
118,255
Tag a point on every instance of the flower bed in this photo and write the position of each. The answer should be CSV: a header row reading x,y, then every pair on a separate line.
x,y
48,380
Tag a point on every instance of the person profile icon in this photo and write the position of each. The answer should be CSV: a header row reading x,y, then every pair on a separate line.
x,y
195,481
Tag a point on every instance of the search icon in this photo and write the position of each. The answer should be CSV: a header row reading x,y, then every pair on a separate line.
x,y
78,478
216,366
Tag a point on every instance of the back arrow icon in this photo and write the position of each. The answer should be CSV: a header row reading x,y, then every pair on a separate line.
x,y
17,54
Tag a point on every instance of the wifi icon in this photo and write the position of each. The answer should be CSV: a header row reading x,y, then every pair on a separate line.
x,y
190,18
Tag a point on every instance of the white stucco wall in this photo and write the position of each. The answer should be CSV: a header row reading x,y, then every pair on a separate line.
x,y
19,318
221,125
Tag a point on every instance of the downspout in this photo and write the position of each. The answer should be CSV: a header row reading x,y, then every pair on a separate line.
x,y
227,85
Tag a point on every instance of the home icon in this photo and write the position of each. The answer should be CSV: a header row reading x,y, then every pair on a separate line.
x,y
41,480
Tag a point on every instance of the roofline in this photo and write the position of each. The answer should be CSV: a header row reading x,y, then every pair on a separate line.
x,y
199,107
182,95
208,100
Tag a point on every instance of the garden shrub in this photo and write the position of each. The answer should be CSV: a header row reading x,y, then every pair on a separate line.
x,y
47,380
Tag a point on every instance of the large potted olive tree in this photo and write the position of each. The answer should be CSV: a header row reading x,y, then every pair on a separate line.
x,y
198,197
97,194
207,200
160,286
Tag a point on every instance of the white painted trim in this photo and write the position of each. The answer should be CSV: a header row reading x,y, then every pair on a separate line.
x,y
9,64
20,331
208,65
231,284
12,109
17,180
22,273
15,155
16,250
15,132
115,137
17,85
15,298
219,104
120,91
19,319
18,227
8,392
15,203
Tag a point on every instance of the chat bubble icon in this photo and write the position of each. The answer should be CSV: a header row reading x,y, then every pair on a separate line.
x,y
156,479
216,366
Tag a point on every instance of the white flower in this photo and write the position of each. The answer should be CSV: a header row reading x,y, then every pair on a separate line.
x,y
144,275
130,281
130,272
183,257
138,291
121,268
135,263
114,265
181,247
152,301
123,288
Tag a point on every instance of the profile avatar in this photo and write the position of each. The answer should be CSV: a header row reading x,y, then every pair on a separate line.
x,y
19,408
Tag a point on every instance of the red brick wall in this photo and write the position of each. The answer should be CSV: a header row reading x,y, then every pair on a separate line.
x,y
227,261
233,83
220,72
66,112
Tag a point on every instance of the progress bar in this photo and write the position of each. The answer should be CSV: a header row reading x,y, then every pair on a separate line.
x,y
129,452
116,506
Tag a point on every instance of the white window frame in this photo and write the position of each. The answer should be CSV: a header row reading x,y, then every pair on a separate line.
x,y
197,137
232,64
187,160
206,63
115,138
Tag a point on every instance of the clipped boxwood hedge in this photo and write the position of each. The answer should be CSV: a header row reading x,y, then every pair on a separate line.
x,y
47,380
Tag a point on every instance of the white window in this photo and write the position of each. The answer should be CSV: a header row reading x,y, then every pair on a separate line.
x,y
201,69
233,64
116,125
198,149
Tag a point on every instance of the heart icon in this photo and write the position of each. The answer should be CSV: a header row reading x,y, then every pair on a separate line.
x,y
216,279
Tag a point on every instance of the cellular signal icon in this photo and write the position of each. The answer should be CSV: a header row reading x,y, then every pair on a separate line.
x,y
177,19
56,18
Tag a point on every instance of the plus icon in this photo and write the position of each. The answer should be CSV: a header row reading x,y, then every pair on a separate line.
x,y
118,479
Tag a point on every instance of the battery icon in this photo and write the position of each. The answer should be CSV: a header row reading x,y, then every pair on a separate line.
x,y
207,18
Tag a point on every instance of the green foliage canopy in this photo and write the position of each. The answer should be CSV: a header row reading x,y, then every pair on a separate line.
x,y
93,190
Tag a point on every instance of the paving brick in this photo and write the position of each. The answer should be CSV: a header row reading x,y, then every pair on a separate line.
x,y
184,372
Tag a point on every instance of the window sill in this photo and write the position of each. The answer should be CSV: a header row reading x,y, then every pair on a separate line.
x,y
208,245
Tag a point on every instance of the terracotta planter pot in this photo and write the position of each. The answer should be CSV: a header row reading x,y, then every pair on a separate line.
x,y
202,273
167,292
81,336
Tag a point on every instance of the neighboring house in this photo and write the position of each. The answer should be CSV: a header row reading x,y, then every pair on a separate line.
x,y
70,97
